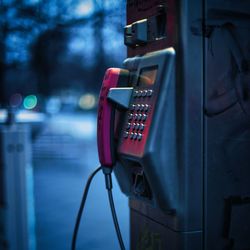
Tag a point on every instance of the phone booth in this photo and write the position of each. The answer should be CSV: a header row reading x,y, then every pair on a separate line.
x,y
182,124
166,178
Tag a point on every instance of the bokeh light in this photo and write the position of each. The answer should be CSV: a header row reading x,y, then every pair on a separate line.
x,y
85,8
30,102
87,101
16,100
53,105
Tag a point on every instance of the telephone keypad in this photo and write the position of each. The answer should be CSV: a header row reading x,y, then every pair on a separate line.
x,y
137,117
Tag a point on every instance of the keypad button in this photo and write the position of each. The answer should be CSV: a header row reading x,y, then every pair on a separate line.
x,y
126,135
138,107
139,93
144,117
139,136
135,136
142,126
137,126
146,107
136,117
130,116
136,93
150,92
139,117
131,135
142,107
133,125
132,107
144,93
128,126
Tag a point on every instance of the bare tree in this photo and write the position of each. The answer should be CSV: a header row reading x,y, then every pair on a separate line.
x,y
42,27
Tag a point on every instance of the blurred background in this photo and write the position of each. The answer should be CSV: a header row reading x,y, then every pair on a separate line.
x,y
53,55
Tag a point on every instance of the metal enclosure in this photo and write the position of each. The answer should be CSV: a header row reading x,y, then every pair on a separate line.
x,y
204,136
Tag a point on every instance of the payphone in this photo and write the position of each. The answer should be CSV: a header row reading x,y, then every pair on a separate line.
x,y
147,106
143,141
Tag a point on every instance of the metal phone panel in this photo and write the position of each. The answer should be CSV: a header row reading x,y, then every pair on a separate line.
x,y
142,108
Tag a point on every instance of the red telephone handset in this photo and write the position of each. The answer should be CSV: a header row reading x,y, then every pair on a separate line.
x,y
105,120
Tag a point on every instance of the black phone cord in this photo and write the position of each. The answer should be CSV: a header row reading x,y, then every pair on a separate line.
x,y
108,180
79,215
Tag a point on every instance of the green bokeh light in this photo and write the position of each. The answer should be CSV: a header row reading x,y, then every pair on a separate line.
x,y
30,102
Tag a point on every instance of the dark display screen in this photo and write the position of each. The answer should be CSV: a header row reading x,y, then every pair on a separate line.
x,y
147,76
